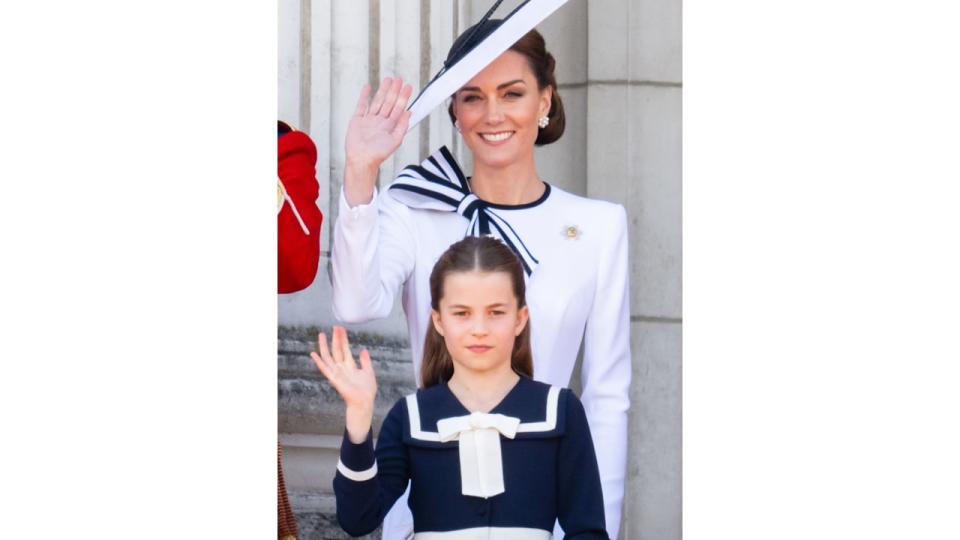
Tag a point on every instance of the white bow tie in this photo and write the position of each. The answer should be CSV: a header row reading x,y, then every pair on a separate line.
x,y
481,464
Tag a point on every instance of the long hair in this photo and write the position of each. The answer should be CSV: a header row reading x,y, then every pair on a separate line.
x,y
481,254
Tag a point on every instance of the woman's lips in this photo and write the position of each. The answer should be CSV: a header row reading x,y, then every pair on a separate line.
x,y
479,348
498,138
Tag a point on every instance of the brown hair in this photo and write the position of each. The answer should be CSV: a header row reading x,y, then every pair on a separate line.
x,y
542,63
482,254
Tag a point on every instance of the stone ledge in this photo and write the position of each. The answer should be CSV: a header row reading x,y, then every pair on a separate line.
x,y
310,468
307,404
316,515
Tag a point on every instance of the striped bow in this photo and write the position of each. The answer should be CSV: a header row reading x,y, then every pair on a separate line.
x,y
439,184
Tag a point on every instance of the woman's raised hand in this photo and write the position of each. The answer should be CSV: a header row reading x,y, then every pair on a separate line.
x,y
375,131
356,385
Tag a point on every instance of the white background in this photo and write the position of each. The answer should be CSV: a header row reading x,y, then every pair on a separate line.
x,y
138,292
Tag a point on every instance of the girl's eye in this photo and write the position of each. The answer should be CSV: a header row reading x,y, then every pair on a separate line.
x,y
459,313
496,312
470,98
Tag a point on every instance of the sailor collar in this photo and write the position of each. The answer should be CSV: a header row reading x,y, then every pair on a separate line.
x,y
539,408
439,184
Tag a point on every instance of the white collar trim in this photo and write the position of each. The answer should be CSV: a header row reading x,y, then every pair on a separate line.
x,y
549,424
486,533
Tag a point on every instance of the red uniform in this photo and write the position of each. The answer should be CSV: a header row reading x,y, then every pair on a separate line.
x,y
298,252
299,218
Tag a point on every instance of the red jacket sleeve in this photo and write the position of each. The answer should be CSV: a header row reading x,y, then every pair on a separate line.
x,y
298,253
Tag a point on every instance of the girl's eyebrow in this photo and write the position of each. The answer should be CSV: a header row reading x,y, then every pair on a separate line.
x,y
462,306
504,85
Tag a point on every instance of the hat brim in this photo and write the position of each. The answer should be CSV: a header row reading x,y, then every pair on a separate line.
x,y
514,26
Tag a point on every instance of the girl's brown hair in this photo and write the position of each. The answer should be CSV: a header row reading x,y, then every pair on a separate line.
x,y
541,62
480,254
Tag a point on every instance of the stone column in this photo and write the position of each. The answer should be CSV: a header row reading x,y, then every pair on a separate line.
x,y
634,156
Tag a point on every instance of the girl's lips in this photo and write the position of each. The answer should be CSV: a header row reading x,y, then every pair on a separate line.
x,y
479,348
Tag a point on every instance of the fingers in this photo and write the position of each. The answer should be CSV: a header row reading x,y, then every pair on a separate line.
x,y
344,347
390,98
397,100
365,361
324,350
323,360
380,97
401,128
363,101
337,358
324,368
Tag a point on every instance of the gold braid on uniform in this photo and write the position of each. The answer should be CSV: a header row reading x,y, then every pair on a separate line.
x,y
286,522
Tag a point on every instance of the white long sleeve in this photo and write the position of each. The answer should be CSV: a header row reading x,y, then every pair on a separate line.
x,y
607,369
373,254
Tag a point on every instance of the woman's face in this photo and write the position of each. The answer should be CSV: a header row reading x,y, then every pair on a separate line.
x,y
497,111
479,320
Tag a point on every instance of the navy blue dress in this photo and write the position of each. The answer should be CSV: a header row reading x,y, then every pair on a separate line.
x,y
549,470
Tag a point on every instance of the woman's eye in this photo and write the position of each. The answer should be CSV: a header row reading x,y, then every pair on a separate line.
x,y
468,99
515,94
495,312
459,313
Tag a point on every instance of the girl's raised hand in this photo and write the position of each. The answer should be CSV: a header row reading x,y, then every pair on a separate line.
x,y
356,385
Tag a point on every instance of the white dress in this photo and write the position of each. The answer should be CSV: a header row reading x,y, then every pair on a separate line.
x,y
577,293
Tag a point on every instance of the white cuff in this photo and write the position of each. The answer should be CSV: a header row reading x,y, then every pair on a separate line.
x,y
357,476
360,211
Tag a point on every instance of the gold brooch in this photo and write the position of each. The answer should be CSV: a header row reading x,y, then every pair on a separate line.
x,y
572,232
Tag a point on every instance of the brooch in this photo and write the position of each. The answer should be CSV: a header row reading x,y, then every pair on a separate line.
x,y
572,232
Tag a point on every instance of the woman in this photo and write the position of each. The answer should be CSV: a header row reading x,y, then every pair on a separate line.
x,y
574,249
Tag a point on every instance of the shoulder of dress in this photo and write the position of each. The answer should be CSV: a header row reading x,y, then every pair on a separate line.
x,y
431,397
584,205
549,403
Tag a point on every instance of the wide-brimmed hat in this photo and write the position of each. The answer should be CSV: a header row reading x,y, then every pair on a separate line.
x,y
475,49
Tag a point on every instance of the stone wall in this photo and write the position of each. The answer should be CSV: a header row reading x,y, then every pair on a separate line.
x,y
619,73
311,419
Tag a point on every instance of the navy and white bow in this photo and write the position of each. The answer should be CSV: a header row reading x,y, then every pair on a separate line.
x,y
439,184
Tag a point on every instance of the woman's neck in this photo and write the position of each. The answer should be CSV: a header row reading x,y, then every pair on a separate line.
x,y
517,183
481,392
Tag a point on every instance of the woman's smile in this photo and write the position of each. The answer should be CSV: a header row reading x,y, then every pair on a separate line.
x,y
497,113
496,138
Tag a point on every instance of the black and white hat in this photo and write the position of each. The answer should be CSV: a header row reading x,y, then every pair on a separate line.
x,y
475,49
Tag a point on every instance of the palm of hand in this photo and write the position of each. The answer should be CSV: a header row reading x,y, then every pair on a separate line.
x,y
356,385
373,137
377,128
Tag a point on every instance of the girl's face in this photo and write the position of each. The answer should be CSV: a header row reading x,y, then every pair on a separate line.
x,y
479,320
497,111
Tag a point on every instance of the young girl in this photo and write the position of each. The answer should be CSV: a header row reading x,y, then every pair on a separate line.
x,y
574,248
489,452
